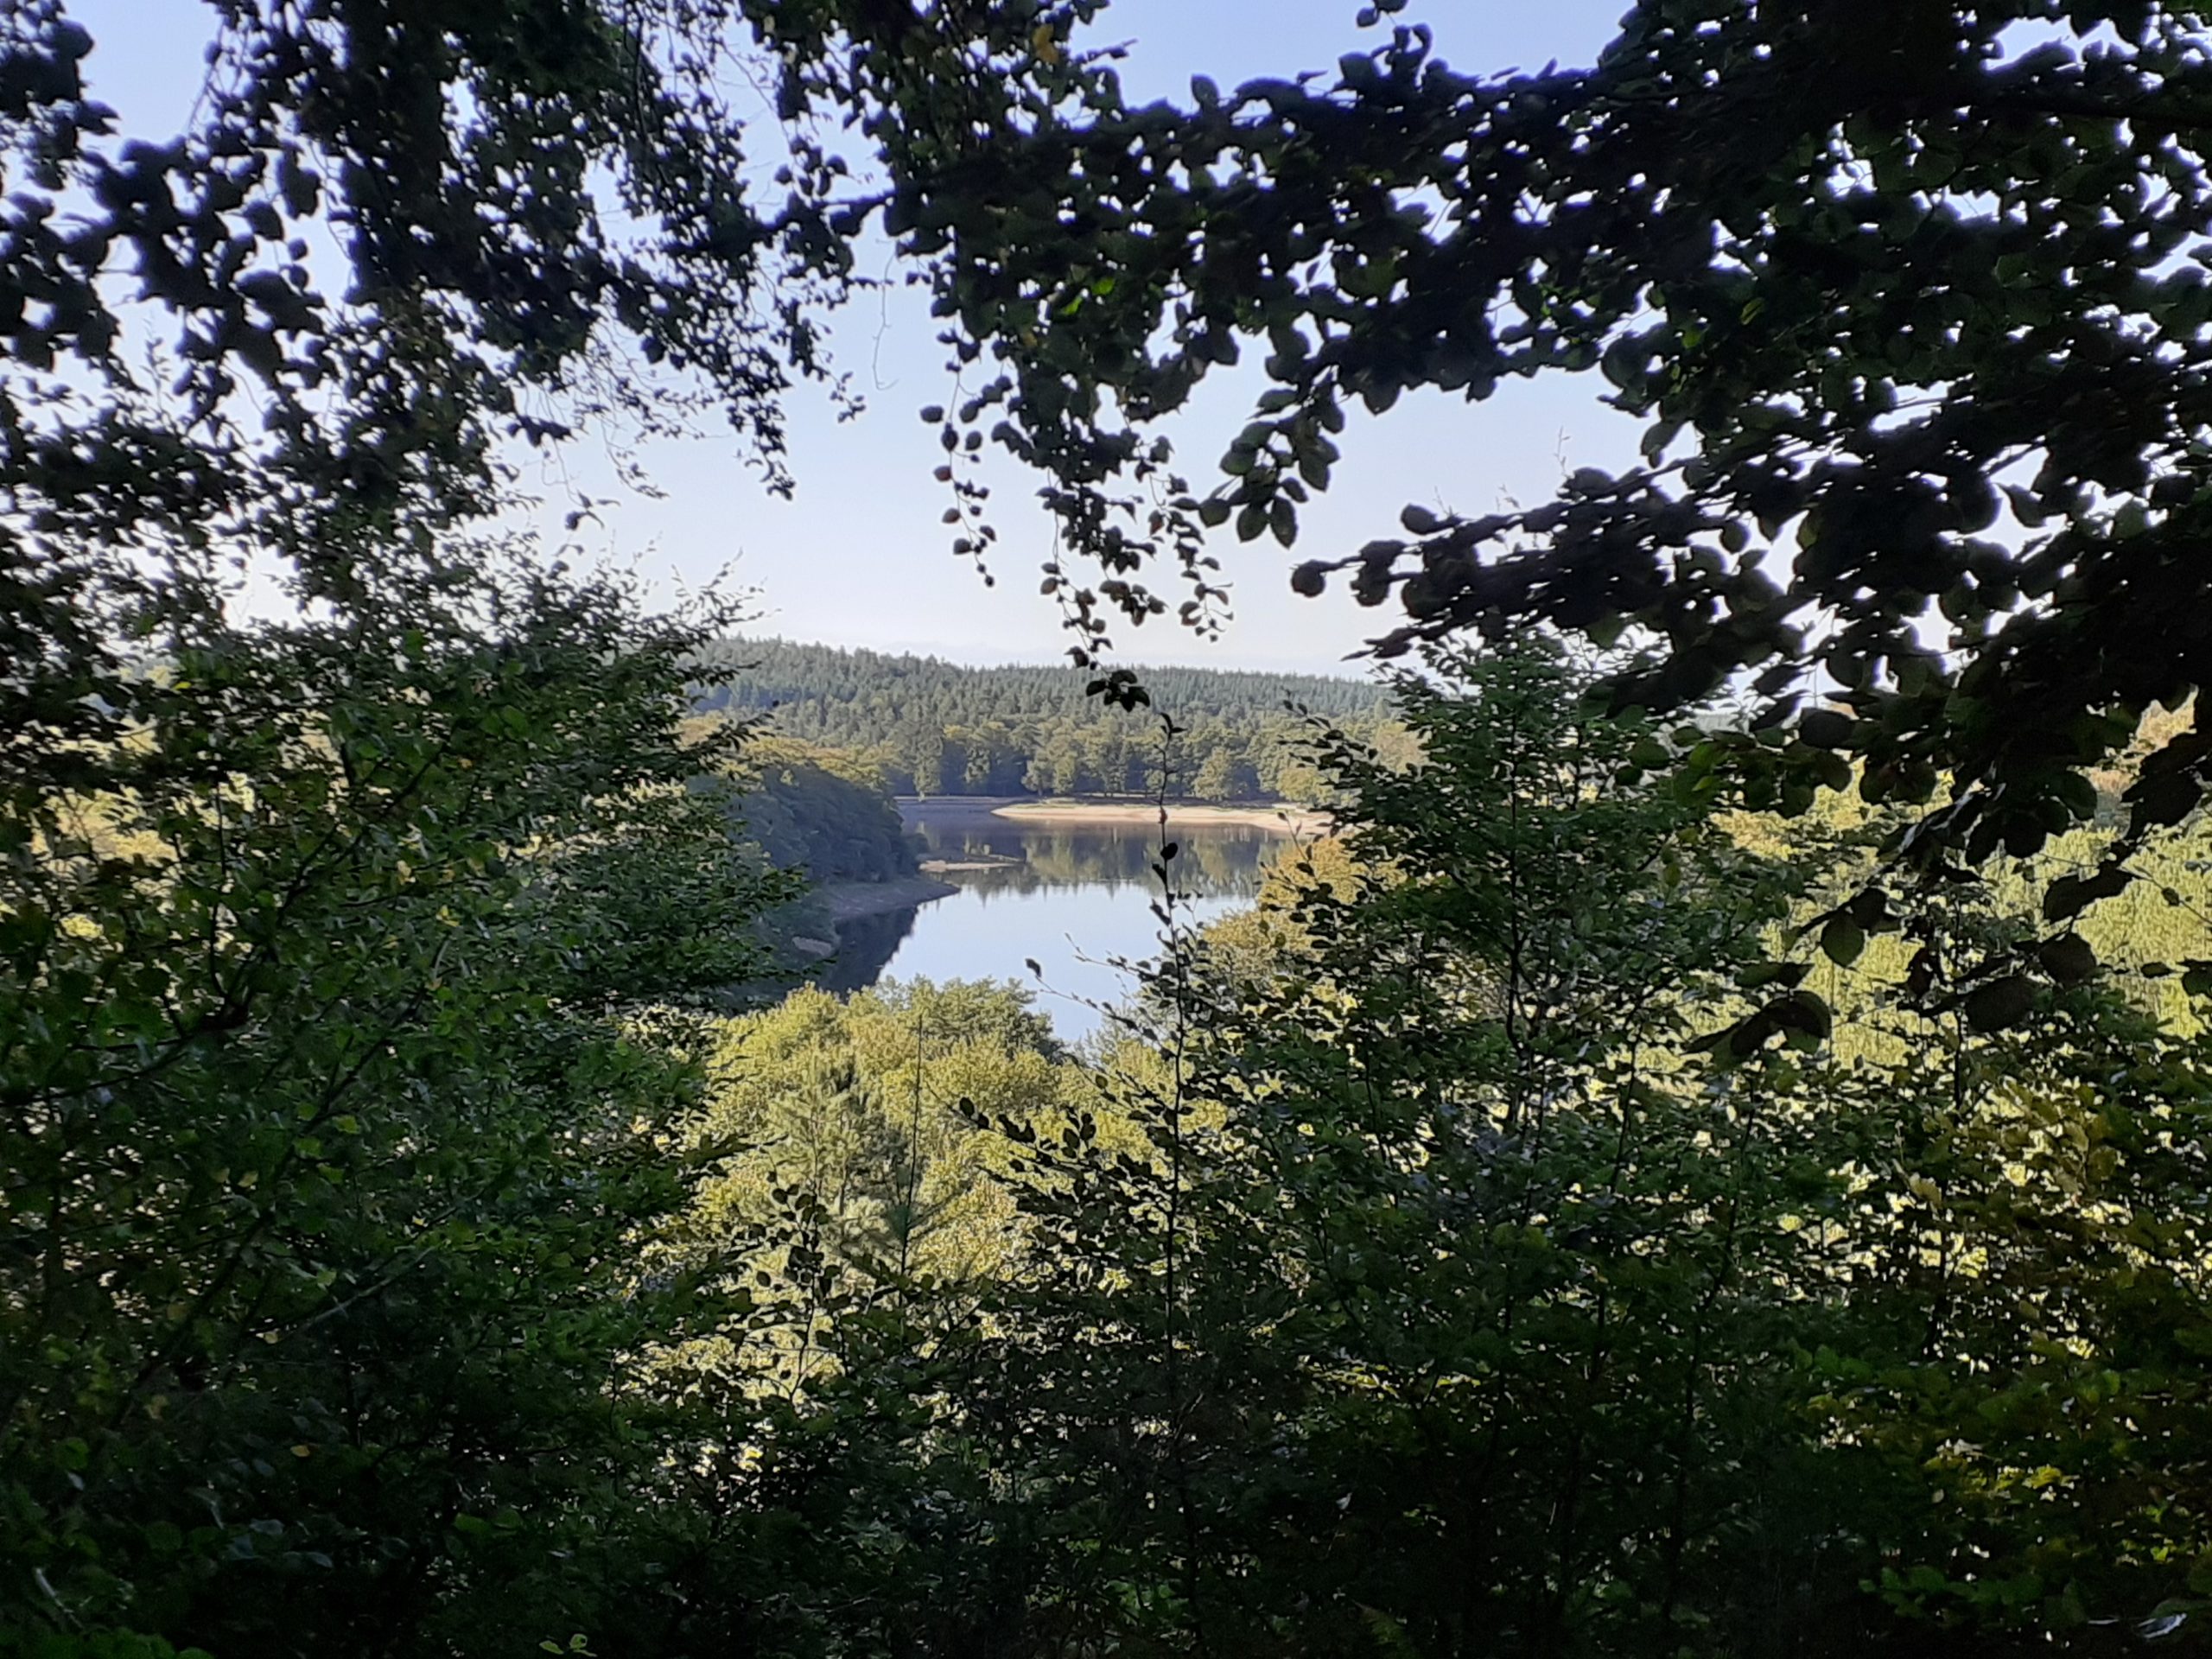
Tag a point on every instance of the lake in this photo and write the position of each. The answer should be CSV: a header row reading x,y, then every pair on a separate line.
x,y
1071,895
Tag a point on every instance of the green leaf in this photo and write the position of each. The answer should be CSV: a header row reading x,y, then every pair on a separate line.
x,y
1999,1003
1771,973
2070,895
1803,1011
2068,958
1826,728
1842,940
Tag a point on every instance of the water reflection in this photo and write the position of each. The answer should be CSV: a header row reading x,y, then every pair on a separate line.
x,y
1070,897
866,945
1030,854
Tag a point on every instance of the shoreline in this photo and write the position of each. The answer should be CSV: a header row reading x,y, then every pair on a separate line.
x,y
1285,819
848,901
970,863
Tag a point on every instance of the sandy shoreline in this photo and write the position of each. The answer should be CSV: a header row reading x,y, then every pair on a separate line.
x,y
1284,819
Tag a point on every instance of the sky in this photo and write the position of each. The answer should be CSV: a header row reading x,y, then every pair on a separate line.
x,y
859,556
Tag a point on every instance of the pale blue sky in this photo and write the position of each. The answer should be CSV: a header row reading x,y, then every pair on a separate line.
x,y
860,558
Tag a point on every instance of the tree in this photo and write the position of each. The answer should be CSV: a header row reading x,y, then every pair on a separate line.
x,y
857,1102
924,761
334,1108
1928,341
341,1053
342,1129
1911,298
1329,1369
1218,776
821,810
1451,1309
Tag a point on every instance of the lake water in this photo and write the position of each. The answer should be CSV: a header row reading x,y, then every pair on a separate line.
x,y
1073,897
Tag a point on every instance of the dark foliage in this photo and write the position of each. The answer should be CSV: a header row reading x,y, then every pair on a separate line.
x,y
1909,295
816,811
334,1120
1521,1242
1445,1310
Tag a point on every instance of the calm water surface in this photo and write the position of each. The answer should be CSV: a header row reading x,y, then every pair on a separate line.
x,y
1073,897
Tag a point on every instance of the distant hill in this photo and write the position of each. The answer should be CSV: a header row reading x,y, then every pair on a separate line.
x,y
933,727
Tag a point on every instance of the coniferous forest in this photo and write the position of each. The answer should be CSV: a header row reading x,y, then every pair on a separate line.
x,y
928,728
1709,1155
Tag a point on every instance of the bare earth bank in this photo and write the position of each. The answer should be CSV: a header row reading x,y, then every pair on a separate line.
x,y
843,901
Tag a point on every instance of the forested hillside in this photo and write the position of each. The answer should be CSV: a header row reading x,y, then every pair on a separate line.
x,y
933,727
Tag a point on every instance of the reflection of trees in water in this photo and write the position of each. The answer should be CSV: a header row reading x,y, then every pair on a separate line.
x,y
865,947
1217,862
